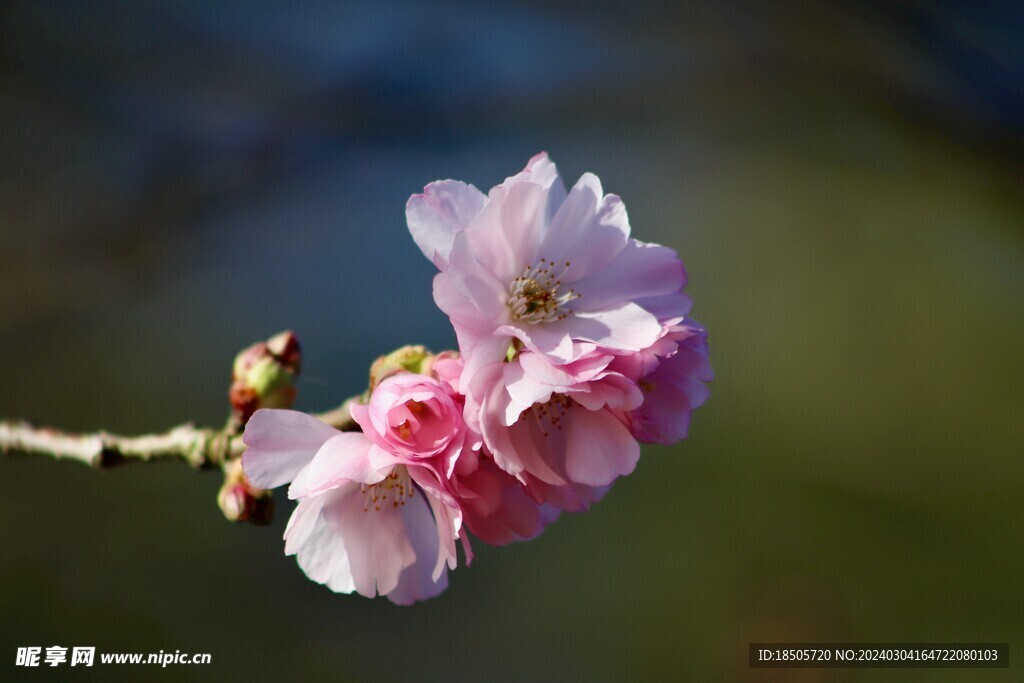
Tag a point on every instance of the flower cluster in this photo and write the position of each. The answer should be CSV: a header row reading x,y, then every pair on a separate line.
x,y
574,348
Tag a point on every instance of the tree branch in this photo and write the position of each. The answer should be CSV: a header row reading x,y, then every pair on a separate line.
x,y
200,447
102,450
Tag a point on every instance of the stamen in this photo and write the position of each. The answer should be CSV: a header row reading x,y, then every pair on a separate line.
x,y
396,487
534,295
549,415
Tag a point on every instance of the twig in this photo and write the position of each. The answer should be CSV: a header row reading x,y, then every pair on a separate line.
x,y
200,447
102,450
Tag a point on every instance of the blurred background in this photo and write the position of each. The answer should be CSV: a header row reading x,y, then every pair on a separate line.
x,y
843,181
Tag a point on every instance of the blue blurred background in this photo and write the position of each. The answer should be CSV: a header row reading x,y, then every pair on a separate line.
x,y
843,181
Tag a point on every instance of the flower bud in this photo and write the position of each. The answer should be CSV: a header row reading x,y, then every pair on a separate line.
x,y
264,375
239,500
285,346
412,416
407,358
446,367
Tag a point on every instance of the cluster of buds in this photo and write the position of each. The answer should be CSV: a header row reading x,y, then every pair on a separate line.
x,y
263,376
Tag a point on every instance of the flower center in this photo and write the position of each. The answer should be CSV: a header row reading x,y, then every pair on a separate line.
x,y
417,409
394,490
534,296
549,415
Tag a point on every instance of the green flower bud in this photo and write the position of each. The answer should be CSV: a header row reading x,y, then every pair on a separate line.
x,y
407,358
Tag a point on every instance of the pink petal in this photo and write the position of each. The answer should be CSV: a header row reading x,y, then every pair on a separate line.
x,y
302,522
447,522
321,552
539,170
280,443
505,236
434,217
612,391
481,353
674,389
588,231
343,458
520,447
417,581
376,543
360,414
627,327
666,415
524,448
564,376
552,339
598,448
639,270
569,497
668,308
472,301
500,511
523,391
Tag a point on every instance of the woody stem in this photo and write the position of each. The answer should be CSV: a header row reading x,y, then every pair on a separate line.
x,y
200,447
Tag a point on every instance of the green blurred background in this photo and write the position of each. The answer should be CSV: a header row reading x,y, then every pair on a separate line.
x,y
843,181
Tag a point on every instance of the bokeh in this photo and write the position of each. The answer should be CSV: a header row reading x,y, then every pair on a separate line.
x,y
843,181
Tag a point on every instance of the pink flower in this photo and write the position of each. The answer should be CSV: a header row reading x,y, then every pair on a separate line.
x,y
415,418
532,263
375,514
